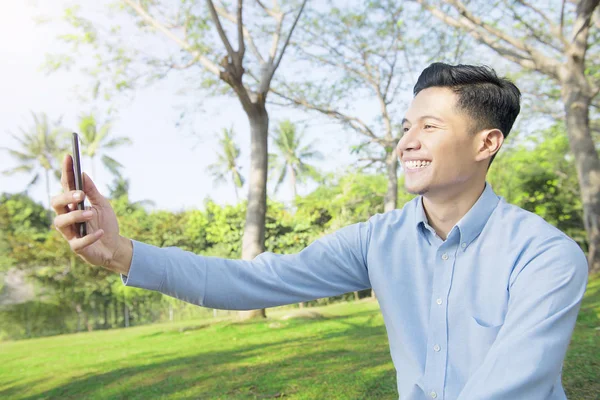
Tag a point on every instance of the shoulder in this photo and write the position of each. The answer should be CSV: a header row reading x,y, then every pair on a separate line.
x,y
395,218
539,245
524,225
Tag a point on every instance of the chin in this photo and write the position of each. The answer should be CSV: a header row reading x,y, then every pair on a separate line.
x,y
416,189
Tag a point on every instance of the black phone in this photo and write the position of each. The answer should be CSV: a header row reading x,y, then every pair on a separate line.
x,y
81,226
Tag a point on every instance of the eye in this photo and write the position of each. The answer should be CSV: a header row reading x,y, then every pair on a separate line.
x,y
405,129
429,126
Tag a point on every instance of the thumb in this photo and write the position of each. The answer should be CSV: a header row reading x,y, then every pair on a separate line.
x,y
91,191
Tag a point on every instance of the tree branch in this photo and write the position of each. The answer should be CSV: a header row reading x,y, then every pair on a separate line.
x,y
220,31
287,40
391,72
184,66
240,26
205,62
276,37
222,12
371,159
556,31
267,9
585,9
484,33
536,33
562,17
275,60
353,122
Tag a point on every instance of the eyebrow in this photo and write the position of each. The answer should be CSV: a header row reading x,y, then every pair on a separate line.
x,y
423,117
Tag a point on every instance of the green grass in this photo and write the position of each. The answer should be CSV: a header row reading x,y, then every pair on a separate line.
x,y
343,355
581,371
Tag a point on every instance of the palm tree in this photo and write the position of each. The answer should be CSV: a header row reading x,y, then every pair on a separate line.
x,y
96,139
40,150
226,167
291,158
120,188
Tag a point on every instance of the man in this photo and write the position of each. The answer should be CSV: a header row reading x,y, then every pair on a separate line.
x,y
479,297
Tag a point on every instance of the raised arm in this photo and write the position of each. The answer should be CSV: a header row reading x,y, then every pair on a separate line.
x,y
526,359
331,265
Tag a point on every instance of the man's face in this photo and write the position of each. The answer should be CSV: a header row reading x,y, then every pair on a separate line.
x,y
437,151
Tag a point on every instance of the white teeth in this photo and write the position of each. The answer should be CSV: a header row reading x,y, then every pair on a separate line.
x,y
417,164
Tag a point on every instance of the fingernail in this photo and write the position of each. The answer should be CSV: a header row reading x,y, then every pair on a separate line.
x,y
87,213
77,196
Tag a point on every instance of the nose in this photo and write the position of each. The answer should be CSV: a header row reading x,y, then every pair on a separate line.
x,y
409,141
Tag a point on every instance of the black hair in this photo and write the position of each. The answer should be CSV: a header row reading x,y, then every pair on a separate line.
x,y
492,102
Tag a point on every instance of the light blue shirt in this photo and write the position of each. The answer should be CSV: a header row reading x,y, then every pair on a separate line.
x,y
486,314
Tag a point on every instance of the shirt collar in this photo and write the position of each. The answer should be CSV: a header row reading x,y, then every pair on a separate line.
x,y
472,223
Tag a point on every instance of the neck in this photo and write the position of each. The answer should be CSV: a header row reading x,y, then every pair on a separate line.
x,y
444,211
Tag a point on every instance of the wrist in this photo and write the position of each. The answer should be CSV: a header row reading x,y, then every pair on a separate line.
x,y
121,261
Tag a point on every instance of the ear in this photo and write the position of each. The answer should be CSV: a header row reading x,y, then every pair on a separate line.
x,y
488,143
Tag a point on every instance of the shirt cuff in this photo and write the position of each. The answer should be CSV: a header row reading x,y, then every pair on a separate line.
x,y
147,268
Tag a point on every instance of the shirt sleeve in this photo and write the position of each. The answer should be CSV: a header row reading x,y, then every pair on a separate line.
x,y
330,266
525,361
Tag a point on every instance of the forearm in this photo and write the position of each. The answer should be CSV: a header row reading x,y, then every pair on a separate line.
x,y
329,266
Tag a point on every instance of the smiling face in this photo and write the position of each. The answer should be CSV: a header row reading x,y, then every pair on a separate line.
x,y
439,152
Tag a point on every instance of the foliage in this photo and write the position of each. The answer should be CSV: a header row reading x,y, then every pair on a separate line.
x,y
96,139
539,175
40,149
226,167
292,156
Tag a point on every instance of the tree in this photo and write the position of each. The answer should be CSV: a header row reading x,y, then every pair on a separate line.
x,y
226,166
195,32
96,140
360,52
293,157
40,148
556,43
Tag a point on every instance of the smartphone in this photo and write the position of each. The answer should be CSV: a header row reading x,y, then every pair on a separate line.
x,y
81,226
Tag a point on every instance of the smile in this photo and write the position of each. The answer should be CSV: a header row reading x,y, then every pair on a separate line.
x,y
416,165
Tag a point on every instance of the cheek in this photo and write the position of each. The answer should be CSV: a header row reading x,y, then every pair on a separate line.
x,y
454,156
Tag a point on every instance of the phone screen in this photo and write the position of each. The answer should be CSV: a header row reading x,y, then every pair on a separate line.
x,y
81,227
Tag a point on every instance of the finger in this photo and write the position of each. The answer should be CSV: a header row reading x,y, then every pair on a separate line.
x,y
63,221
79,244
67,179
60,203
92,192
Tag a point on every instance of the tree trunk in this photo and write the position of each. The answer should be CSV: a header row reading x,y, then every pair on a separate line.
x,y
106,304
170,312
49,214
356,297
390,201
293,181
115,312
126,315
577,103
391,166
253,240
79,311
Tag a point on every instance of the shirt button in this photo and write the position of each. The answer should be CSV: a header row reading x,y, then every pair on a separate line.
x,y
436,347
439,301
445,256
463,245
433,395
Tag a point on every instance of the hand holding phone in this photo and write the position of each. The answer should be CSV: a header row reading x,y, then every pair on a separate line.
x,y
81,227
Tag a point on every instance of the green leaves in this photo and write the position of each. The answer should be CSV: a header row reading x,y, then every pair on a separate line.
x,y
292,156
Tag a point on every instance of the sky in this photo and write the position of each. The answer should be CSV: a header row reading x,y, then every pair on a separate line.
x,y
166,164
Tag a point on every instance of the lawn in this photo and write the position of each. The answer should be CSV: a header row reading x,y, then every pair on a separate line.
x,y
342,355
